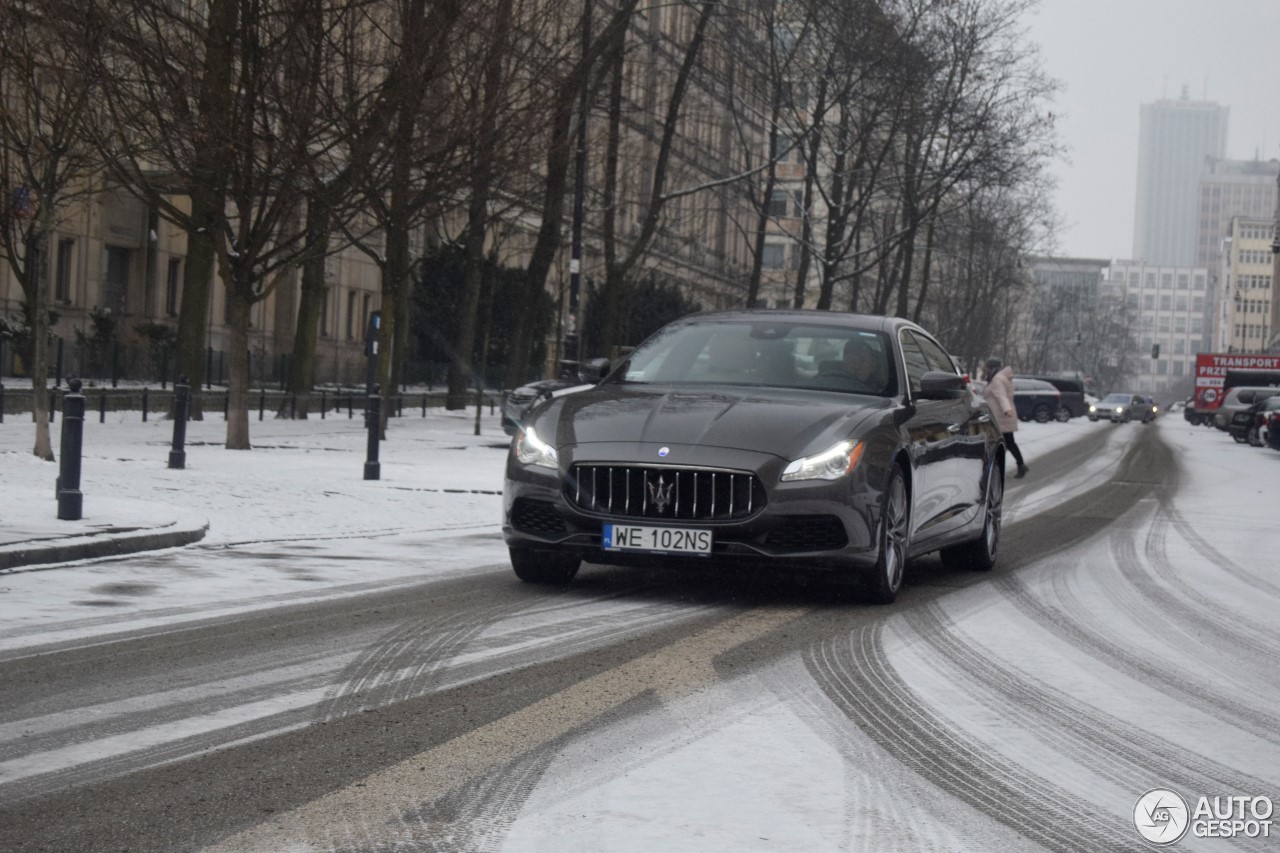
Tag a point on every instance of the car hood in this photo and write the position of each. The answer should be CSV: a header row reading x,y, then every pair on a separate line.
x,y
781,422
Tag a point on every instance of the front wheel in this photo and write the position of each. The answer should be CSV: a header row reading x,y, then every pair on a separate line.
x,y
1062,415
545,567
980,554
885,579
1042,414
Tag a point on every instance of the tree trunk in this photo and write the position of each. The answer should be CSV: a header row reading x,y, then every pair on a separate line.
x,y
478,216
38,320
302,367
238,367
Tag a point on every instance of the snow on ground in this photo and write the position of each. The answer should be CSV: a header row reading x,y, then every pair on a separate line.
x,y
1139,658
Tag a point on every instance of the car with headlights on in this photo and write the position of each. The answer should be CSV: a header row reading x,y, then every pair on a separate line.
x,y
518,400
1117,408
809,441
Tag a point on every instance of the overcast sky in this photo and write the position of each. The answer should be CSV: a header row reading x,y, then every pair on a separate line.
x,y
1115,55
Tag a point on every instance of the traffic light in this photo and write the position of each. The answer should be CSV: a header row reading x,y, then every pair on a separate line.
x,y
1155,350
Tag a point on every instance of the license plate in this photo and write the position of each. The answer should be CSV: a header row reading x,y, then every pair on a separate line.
x,y
661,540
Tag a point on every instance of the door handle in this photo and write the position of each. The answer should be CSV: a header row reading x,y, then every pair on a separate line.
x,y
953,428
984,419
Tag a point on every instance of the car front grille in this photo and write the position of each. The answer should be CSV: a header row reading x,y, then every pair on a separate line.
x,y
683,494
808,533
537,518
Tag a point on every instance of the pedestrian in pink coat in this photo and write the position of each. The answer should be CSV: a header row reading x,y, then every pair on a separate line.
x,y
999,396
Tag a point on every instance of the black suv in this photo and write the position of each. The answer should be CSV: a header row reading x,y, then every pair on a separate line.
x,y
1071,403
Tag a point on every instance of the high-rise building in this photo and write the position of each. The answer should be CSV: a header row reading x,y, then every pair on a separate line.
x,y
1175,138
1231,188
1242,319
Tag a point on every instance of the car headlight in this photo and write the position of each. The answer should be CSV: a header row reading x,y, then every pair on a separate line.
x,y
830,464
531,450
1093,408
1119,409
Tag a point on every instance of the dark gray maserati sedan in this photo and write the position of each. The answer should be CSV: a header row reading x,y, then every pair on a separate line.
x,y
802,440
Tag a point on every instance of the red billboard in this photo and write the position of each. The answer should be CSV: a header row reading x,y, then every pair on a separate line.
x,y
1212,367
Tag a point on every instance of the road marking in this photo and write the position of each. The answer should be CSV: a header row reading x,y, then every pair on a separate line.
x,y
369,808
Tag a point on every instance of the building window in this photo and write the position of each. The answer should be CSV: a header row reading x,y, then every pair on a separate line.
x,y
62,284
778,203
324,315
351,316
171,288
775,256
364,313
1182,281
1149,302
1166,302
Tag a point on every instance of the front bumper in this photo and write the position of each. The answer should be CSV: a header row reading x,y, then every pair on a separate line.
x,y
814,524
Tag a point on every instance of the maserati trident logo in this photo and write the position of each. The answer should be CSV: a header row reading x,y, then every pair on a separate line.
x,y
660,494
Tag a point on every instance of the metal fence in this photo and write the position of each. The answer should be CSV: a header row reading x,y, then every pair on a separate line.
x,y
264,402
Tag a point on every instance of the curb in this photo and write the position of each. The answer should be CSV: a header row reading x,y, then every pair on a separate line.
x,y
92,548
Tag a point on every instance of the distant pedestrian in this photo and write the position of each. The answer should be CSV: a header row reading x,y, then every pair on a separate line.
x,y
999,396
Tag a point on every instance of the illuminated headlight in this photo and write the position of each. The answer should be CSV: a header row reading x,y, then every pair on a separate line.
x,y
1119,409
830,464
1093,408
531,450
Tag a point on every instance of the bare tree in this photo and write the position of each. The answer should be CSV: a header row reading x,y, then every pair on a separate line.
x,y
44,166
649,207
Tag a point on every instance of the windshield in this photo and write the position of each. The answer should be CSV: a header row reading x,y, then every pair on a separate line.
x,y
1118,399
765,353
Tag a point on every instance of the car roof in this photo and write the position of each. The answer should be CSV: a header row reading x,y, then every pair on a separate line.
x,y
1031,383
844,319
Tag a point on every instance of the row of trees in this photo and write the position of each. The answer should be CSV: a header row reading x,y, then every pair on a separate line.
x,y
276,133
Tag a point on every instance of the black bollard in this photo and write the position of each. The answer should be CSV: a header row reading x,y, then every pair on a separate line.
x,y
181,393
262,402
1,402
70,499
323,404
351,405
145,404
373,420
102,407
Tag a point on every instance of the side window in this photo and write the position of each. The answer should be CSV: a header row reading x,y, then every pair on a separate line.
x,y
917,365
934,355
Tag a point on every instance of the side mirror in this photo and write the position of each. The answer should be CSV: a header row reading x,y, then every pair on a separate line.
x,y
939,385
593,370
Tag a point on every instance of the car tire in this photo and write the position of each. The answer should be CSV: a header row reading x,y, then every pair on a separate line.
x,y
893,533
1240,439
1254,439
552,568
1042,414
1062,415
980,554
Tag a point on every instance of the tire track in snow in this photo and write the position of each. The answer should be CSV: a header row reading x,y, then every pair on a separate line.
x,y
1162,677
856,674
1124,753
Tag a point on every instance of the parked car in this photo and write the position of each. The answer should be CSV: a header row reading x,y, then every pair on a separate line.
x,y
739,439
1237,398
1071,396
1118,408
518,401
1269,423
1035,399
1247,424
